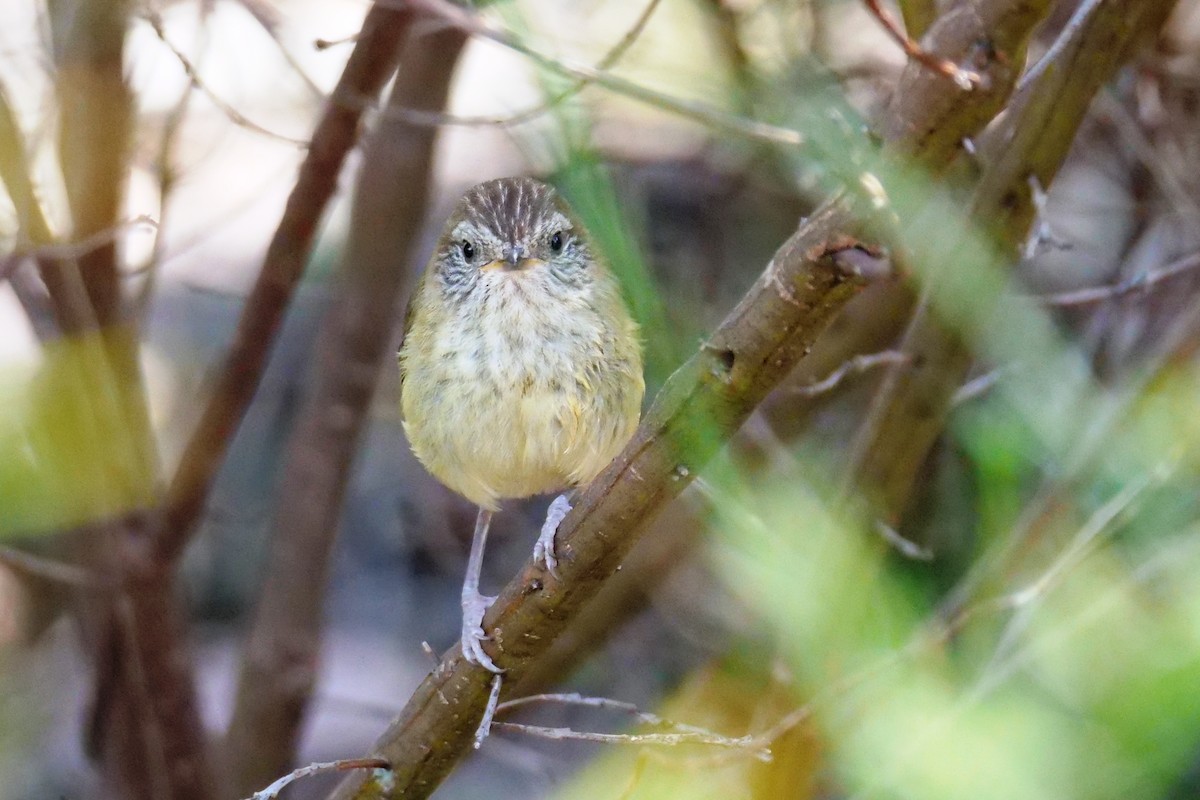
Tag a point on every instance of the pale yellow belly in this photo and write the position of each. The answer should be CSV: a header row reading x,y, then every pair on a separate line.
x,y
489,442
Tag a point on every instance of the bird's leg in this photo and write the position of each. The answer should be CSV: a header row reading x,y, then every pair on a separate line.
x,y
543,551
475,604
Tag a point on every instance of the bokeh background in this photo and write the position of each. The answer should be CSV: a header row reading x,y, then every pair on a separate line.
x,y
1027,625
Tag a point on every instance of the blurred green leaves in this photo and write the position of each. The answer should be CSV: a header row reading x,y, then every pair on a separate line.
x,y
1081,684
63,450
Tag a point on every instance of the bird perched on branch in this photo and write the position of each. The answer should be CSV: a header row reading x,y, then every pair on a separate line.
x,y
521,368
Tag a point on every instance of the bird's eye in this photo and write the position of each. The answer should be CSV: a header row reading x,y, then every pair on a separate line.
x,y
556,242
468,250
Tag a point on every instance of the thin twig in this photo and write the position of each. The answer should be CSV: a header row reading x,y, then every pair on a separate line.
x,y
72,250
1136,283
49,569
236,117
325,44
268,19
855,366
272,791
575,699
418,117
667,739
977,387
1023,601
696,111
905,547
1041,235
489,712
964,79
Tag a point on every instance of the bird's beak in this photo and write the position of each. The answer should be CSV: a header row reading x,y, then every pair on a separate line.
x,y
514,259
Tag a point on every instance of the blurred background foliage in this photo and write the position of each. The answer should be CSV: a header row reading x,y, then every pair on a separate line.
x,y
1028,627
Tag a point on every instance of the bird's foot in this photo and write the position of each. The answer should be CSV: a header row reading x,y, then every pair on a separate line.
x,y
543,551
474,605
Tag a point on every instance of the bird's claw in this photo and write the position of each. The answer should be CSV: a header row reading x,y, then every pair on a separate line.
x,y
474,606
543,551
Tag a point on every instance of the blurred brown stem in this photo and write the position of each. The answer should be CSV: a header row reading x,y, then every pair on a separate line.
x,y
279,664
367,70
146,717
909,411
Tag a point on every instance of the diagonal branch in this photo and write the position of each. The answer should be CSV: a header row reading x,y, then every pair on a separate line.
x,y
280,659
369,67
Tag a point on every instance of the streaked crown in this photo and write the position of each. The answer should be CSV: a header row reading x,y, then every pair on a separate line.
x,y
516,209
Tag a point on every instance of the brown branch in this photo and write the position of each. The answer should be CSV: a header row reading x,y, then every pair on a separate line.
x,y
368,68
930,118
147,722
279,665
909,411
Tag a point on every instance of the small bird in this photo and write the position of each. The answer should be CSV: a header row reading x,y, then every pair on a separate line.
x,y
520,368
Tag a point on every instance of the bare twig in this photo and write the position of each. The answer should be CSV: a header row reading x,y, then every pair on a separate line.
x,y
700,112
489,712
754,744
95,136
68,296
855,366
1041,235
168,176
976,387
1023,601
72,250
1133,285
903,546
325,44
267,16
418,117
236,117
747,743
345,764
48,569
